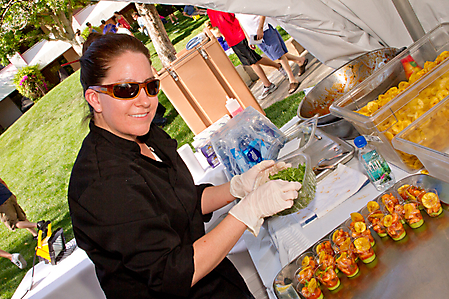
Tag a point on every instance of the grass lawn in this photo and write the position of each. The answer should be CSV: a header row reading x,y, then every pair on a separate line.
x,y
39,149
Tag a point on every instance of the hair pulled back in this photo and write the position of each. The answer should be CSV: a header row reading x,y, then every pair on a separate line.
x,y
100,50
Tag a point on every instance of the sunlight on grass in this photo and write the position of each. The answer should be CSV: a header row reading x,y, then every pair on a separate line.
x,y
38,152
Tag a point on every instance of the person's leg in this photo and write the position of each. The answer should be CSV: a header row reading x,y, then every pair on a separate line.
x,y
299,60
262,76
5,254
268,62
15,258
29,226
288,69
19,219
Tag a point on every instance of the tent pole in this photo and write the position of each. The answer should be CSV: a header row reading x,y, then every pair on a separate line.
x,y
409,18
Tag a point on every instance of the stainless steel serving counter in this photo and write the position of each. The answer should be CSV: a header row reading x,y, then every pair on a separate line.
x,y
415,267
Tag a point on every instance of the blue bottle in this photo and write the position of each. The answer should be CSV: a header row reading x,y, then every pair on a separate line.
x,y
248,146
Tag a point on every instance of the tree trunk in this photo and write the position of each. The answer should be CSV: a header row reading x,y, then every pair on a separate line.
x,y
162,44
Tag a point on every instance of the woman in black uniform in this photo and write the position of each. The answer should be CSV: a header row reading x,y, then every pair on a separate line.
x,y
134,206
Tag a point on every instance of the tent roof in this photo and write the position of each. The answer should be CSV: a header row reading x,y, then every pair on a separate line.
x,y
6,84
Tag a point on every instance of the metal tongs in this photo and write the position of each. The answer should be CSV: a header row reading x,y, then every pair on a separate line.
x,y
319,165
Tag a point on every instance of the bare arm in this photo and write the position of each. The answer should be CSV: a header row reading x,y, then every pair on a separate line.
x,y
216,197
260,28
212,248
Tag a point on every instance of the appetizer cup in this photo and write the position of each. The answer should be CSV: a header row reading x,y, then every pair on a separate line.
x,y
412,193
394,227
323,245
338,236
307,259
373,214
310,290
304,274
412,214
346,264
325,260
327,277
357,225
389,200
341,241
431,203
364,250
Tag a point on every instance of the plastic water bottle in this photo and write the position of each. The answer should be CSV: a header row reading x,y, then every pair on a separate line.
x,y
248,147
378,170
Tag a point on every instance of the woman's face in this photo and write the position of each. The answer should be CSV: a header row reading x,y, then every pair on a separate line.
x,y
125,118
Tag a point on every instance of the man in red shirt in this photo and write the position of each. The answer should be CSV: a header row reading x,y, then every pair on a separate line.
x,y
229,26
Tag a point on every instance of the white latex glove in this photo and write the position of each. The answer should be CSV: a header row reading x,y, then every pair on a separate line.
x,y
267,200
263,176
243,184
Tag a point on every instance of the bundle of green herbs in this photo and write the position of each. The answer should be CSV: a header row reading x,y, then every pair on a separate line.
x,y
307,191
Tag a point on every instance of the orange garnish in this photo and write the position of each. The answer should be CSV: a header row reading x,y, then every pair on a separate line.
x,y
430,200
356,217
372,206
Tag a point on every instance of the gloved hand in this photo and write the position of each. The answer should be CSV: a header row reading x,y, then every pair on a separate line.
x,y
269,199
244,183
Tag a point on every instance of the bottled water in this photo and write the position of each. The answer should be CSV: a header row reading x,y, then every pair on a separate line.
x,y
249,148
378,170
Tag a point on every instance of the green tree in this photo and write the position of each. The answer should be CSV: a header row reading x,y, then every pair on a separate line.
x,y
22,22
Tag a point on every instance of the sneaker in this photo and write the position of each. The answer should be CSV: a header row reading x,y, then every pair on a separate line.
x,y
267,90
283,72
18,260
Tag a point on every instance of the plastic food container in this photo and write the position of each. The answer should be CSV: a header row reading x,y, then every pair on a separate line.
x,y
428,139
383,121
308,189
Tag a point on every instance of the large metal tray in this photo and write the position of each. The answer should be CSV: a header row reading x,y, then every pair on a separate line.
x,y
415,267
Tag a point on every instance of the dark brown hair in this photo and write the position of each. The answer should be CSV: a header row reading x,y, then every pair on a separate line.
x,y
99,51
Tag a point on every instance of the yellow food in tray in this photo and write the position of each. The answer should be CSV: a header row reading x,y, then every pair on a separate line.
x,y
403,117
372,107
433,132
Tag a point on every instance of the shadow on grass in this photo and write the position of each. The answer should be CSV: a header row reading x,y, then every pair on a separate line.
x,y
171,112
186,27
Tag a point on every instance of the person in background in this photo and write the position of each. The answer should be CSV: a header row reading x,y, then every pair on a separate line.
x,y
229,26
190,11
121,20
15,258
268,39
135,208
141,22
216,32
79,39
12,215
108,27
170,13
91,29
121,29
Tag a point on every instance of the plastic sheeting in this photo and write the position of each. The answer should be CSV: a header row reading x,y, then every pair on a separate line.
x,y
335,31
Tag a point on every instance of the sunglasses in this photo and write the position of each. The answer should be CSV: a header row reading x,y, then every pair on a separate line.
x,y
129,90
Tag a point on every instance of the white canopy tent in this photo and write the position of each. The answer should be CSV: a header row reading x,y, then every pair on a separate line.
x,y
335,31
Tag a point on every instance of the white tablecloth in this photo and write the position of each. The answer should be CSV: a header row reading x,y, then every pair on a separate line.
x,y
73,278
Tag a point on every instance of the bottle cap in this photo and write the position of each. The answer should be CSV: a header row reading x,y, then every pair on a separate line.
x,y
360,141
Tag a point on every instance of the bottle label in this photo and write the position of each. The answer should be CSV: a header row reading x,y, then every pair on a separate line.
x,y
377,167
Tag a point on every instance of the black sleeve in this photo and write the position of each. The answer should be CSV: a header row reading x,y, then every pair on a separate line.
x,y
200,190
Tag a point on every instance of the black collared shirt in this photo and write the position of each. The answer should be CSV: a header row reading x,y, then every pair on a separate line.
x,y
137,219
